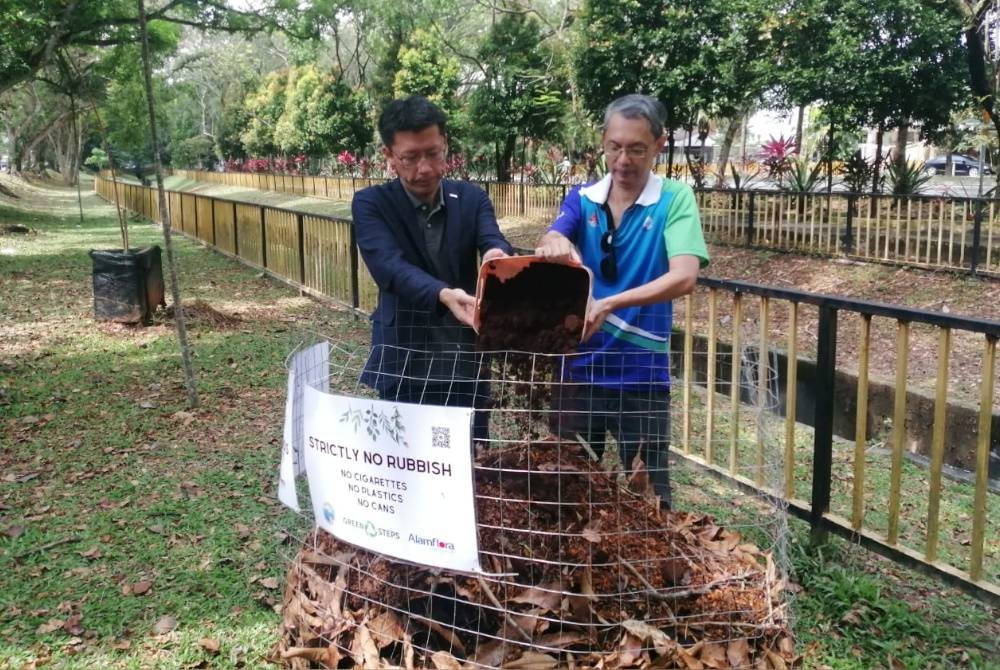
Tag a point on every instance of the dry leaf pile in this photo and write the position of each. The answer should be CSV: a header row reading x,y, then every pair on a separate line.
x,y
199,312
582,572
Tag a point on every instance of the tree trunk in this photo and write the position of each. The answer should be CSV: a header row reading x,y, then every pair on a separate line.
x,y
175,290
506,157
726,147
62,140
899,159
79,147
671,144
798,129
830,148
877,171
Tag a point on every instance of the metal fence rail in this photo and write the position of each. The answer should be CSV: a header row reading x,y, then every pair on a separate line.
x,y
827,481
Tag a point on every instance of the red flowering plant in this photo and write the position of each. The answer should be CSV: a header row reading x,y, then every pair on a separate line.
x,y
257,165
348,162
234,165
777,155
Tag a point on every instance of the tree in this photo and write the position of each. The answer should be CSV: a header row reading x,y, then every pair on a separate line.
x,y
980,26
877,63
742,63
338,118
646,47
124,108
31,33
520,94
426,68
264,107
322,115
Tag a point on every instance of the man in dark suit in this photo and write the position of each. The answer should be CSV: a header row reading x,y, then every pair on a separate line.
x,y
418,235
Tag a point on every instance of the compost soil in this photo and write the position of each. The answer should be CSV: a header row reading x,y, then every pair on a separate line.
x,y
541,309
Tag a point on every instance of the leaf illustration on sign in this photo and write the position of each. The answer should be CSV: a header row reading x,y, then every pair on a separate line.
x,y
376,422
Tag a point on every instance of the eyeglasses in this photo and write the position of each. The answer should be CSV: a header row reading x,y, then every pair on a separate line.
x,y
434,157
609,264
633,151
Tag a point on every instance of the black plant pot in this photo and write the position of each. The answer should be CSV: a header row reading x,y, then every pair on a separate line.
x,y
128,285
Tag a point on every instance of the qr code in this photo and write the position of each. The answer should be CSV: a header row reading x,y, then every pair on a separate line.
x,y
441,437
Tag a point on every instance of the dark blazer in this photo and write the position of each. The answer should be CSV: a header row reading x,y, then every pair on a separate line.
x,y
386,229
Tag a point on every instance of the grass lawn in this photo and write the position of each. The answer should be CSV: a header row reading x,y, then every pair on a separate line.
x,y
138,532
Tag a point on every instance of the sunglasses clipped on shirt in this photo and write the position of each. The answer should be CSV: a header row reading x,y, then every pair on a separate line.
x,y
609,264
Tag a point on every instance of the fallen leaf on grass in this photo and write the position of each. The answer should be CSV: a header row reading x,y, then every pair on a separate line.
x,y
14,531
164,624
50,627
93,552
137,589
72,625
184,417
12,478
210,644
269,582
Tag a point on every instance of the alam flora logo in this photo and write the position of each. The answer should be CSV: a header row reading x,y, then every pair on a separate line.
x,y
433,542
328,514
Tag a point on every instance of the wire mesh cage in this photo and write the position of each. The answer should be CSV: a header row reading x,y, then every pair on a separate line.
x,y
595,548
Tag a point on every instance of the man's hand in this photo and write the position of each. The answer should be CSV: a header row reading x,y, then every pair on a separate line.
x,y
460,303
494,254
556,247
596,314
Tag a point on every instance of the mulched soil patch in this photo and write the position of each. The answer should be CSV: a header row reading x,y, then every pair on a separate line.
x,y
594,576
200,313
15,229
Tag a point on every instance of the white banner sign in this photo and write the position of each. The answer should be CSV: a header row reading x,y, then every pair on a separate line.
x,y
291,460
392,477
309,366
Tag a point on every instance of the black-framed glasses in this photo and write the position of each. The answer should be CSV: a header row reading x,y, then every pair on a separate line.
x,y
410,161
609,264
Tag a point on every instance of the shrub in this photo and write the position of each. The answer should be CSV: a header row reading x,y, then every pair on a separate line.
x,y
801,177
858,172
907,179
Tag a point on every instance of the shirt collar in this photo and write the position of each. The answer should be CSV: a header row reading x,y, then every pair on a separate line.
x,y
417,203
598,191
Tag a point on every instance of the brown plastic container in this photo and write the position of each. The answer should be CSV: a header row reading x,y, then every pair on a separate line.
x,y
527,303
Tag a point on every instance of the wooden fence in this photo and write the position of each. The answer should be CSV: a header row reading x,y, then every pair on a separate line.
x,y
938,232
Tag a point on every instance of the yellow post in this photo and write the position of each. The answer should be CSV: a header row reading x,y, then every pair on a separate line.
x,y
713,303
982,459
937,442
762,363
791,381
898,429
861,424
734,381
688,371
